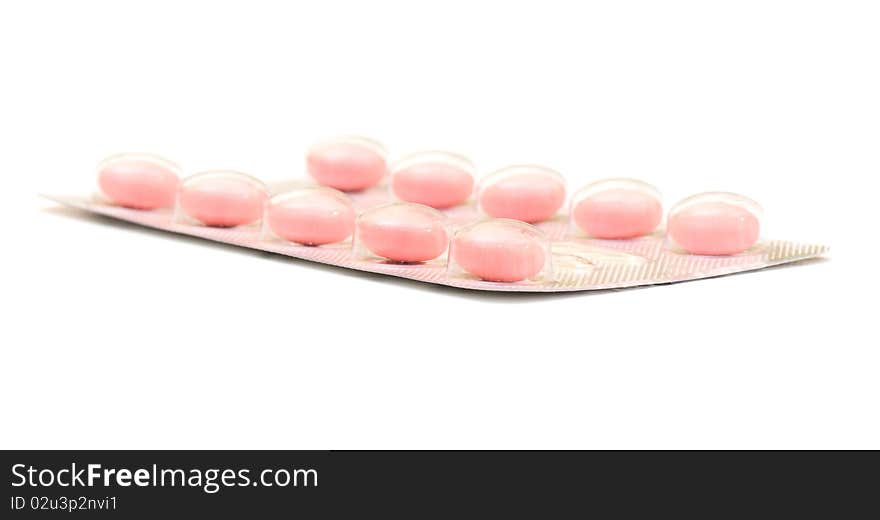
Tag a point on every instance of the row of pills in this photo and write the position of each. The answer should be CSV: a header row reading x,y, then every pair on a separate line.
x,y
709,223
712,223
500,250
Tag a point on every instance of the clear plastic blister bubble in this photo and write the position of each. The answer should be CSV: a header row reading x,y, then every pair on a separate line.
x,y
714,223
312,216
501,250
402,232
138,181
433,178
221,198
347,163
529,193
617,208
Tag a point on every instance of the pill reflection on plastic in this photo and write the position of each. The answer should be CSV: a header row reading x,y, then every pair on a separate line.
x,y
526,192
617,208
222,198
139,181
436,179
715,223
403,232
311,216
347,163
500,250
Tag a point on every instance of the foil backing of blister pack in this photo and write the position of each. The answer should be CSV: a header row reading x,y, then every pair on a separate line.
x,y
579,263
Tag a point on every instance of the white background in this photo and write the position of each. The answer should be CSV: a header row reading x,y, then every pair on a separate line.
x,y
119,337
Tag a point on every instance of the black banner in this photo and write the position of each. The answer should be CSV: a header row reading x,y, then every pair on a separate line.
x,y
319,484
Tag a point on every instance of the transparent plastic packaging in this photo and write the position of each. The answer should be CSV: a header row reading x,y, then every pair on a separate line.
x,y
347,163
715,223
139,180
221,198
708,235
529,193
310,216
501,250
402,232
433,178
616,208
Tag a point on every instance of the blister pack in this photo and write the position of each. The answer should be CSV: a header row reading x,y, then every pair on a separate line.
x,y
427,218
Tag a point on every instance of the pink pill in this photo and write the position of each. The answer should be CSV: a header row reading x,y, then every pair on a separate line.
x,y
715,224
617,208
500,250
223,198
527,193
436,179
311,216
139,181
403,232
347,163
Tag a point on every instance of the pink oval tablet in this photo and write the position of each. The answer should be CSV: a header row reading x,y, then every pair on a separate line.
x,y
500,250
404,232
527,193
348,163
311,216
223,198
617,209
436,179
715,224
139,181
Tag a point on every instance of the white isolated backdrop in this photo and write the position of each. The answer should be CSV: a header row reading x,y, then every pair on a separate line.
x,y
119,337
